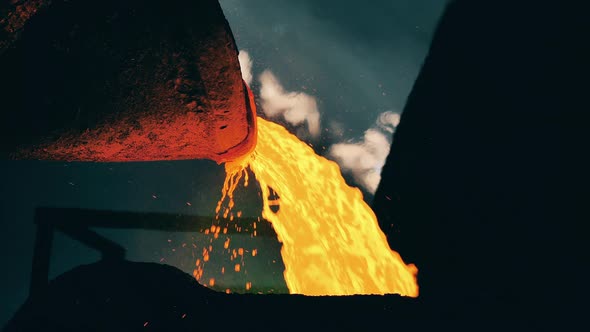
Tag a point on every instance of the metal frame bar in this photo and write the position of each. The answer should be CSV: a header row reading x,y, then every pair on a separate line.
x,y
77,223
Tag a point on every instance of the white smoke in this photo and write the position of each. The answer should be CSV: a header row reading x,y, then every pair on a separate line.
x,y
295,108
245,66
365,159
388,121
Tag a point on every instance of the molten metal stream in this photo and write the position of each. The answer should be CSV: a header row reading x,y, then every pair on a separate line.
x,y
332,243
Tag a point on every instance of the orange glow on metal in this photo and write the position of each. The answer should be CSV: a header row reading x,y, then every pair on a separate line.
x,y
219,135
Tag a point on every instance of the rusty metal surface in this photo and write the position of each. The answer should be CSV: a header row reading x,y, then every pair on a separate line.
x,y
121,81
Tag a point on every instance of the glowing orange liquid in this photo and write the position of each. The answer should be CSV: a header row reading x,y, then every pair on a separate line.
x,y
332,243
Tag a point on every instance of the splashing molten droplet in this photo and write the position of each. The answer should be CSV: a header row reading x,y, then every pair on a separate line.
x,y
332,243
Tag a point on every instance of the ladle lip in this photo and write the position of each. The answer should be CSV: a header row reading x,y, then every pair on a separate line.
x,y
247,145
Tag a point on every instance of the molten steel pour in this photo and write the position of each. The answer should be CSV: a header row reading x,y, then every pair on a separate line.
x,y
332,243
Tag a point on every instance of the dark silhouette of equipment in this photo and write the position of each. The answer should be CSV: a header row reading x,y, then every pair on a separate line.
x,y
79,223
473,190
120,295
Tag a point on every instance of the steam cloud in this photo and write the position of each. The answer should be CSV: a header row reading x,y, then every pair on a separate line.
x,y
294,107
365,159
245,66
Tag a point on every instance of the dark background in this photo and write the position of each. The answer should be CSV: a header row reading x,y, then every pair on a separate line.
x,y
356,60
